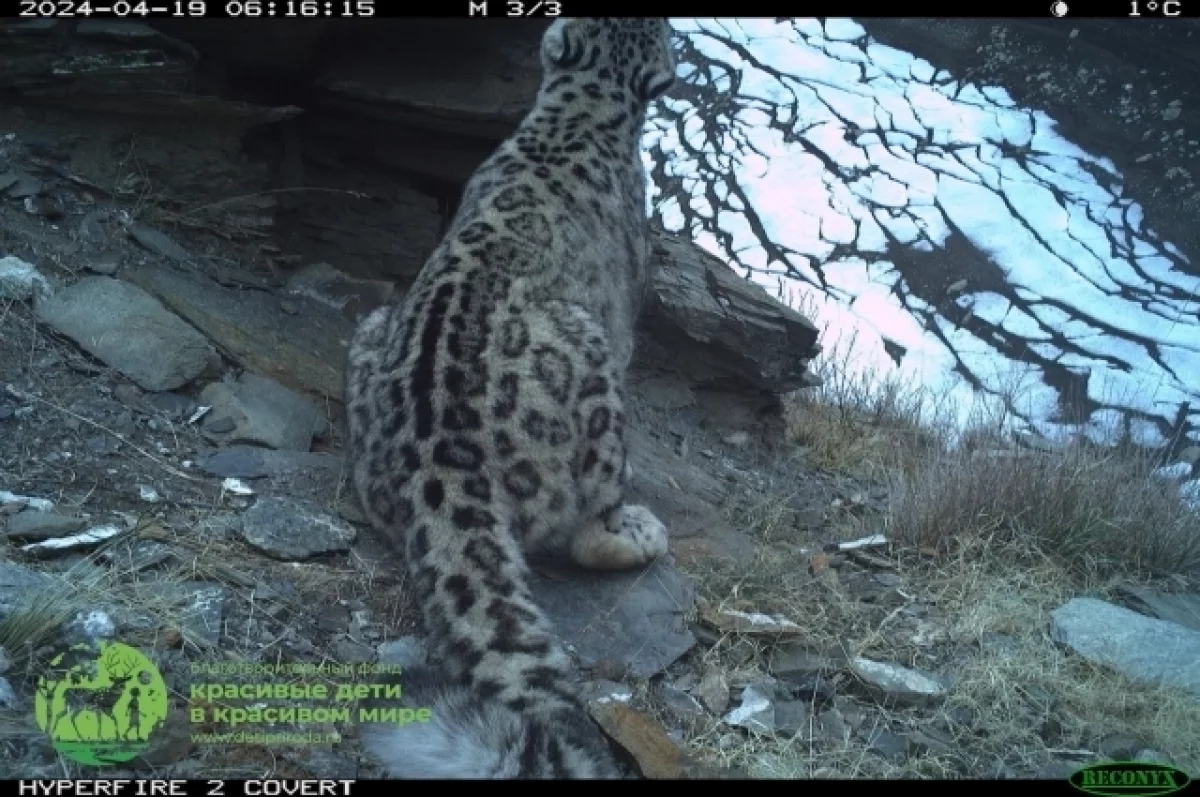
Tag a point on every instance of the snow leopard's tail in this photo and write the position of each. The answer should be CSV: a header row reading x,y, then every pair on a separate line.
x,y
467,736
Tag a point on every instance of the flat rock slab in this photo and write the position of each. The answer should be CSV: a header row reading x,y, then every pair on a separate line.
x,y
897,684
34,525
756,712
634,617
258,410
254,462
739,339
1142,648
657,754
1174,607
718,328
129,330
291,530
307,475
305,352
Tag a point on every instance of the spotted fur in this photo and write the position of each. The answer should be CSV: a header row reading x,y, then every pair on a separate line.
x,y
486,417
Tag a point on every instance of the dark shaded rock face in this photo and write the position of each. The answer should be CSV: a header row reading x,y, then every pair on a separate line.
x,y
347,143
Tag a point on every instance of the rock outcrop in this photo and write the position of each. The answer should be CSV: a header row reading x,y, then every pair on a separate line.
x,y
344,143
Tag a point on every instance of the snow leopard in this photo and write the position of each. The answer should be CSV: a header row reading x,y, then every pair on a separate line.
x,y
486,414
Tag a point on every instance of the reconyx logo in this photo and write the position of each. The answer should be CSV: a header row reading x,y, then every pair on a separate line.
x,y
1129,779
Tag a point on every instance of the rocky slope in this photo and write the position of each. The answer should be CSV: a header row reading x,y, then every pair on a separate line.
x,y
192,216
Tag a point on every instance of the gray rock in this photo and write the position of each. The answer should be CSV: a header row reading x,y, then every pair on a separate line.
x,y
102,445
136,554
172,404
290,529
10,500
105,265
1182,608
1143,648
1058,770
681,704
203,613
332,618
219,425
1152,756
32,525
484,101
90,625
795,662
129,330
851,712
606,691
19,185
1120,746
898,684
736,439
756,712
5,663
832,726
665,393
8,695
351,652
18,585
159,243
714,689
21,281
350,296
792,717
194,608
70,543
407,651
730,329
251,329
263,412
635,617
931,741
703,320
887,744
252,462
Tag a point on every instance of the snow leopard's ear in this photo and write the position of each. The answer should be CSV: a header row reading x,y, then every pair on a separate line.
x,y
657,74
563,44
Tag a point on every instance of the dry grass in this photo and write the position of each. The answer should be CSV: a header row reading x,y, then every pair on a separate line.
x,y
1030,698
1017,702
1094,508
858,417
1096,511
1007,538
